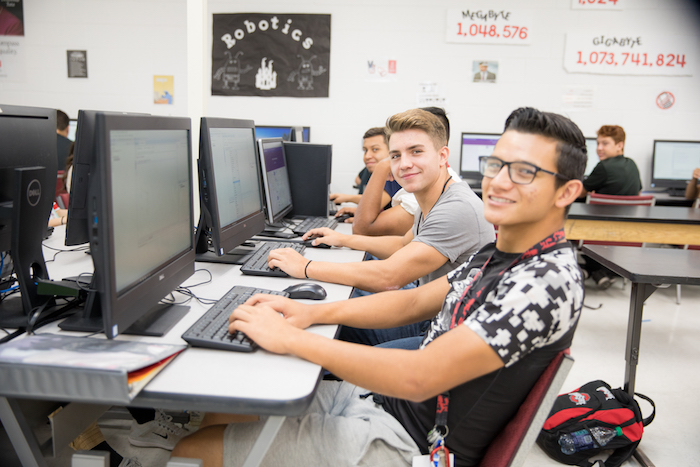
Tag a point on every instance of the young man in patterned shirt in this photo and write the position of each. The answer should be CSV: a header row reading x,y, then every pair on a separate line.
x,y
498,321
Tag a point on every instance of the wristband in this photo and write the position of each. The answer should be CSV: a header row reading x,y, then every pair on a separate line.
x,y
305,268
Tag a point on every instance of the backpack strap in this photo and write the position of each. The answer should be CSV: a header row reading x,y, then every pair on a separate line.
x,y
650,418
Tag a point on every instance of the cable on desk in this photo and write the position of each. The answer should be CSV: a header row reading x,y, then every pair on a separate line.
x,y
59,251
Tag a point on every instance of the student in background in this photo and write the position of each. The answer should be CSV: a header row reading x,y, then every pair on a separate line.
x,y
526,284
370,216
62,142
615,174
692,191
375,150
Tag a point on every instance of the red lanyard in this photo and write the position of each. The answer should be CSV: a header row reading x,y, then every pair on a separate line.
x,y
436,436
549,242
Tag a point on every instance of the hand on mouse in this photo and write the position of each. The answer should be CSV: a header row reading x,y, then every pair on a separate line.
x,y
346,214
288,260
325,235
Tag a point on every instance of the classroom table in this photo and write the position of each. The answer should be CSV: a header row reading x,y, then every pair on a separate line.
x,y
646,269
216,381
650,224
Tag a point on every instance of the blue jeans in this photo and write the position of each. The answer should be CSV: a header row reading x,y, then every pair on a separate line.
x,y
380,336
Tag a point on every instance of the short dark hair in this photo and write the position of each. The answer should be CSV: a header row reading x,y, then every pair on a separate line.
x,y
572,155
62,120
376,131
613,131
440,113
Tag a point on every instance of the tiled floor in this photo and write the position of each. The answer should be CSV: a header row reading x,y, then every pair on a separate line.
x,y
667,373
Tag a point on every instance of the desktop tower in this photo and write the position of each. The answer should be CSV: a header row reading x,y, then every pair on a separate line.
x,y
309,168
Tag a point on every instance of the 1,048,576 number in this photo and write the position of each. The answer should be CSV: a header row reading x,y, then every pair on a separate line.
x,y
508,31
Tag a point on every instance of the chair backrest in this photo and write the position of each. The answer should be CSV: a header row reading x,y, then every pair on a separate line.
x,y
617,200
696,205
513,444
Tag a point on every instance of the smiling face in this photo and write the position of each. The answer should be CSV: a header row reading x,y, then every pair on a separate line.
x,y
607,147
528,212
374,149
415,161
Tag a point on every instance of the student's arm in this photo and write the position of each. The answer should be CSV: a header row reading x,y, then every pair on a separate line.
x,y
370,218
411,262
458,356
595,180
340,198
381,247
691,191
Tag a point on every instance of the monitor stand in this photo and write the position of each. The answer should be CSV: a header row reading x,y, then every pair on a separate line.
x,y
277,230
28,228
235,256
156,322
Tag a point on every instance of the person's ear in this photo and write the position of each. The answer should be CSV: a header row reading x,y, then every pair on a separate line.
x,y
444,153
568,193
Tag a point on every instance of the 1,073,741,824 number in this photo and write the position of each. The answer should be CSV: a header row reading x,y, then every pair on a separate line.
x,y
630,59
507,31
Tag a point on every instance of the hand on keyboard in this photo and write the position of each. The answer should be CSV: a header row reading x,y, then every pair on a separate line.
x,y
325,235
264,324
288,260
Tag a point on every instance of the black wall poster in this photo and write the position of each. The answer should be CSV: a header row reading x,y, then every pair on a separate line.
x,y
268,54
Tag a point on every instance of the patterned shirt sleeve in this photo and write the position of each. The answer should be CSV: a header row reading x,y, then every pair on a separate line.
x,y
533,305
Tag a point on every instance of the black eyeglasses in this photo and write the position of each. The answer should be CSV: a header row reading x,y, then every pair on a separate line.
x,y
522,173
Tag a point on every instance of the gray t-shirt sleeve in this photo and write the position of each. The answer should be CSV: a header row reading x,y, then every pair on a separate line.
x,y
455,227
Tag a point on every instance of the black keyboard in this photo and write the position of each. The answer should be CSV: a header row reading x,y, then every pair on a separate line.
x,y
314,223
211,330
256,265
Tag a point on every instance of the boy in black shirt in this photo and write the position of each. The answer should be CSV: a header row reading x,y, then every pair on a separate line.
x,y
498,320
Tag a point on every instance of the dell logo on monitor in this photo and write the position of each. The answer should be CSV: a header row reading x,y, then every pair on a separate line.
x,y
34,192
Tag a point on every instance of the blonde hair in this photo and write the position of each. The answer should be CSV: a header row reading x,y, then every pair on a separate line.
x,y
419,120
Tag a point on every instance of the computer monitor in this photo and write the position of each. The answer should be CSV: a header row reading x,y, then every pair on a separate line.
x,y
141,218
231,207
28,165
275,176
72,128
287,133
672,164
77,227
475,145
309,169
591,147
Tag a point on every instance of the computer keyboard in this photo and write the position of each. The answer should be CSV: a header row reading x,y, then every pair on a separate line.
x,y
314,223
211,330
256,265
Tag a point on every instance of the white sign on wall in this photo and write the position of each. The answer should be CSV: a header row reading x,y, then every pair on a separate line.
x,y
484,26
632,54
597,4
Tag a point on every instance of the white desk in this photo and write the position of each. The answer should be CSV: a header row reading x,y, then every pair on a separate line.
x,y
204,379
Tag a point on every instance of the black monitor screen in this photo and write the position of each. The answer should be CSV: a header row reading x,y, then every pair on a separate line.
x,y
237,182
475,145
278,195
142,243
150,201
229,187
673,163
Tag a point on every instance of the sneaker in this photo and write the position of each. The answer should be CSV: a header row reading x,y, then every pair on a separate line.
x,y
130,462
160,432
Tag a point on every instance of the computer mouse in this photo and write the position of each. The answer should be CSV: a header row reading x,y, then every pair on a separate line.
x,y
307,290
310,242
341,218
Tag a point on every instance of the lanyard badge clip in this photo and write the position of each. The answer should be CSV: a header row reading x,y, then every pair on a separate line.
x,y
439,455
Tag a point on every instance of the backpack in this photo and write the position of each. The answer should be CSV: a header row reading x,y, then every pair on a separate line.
x,y
595,404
